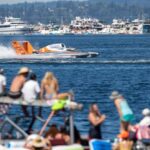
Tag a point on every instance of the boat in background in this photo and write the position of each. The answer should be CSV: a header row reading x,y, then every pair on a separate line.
x,y
13,26
24,50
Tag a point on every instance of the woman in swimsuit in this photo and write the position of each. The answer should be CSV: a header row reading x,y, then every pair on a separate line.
x,y
95,119
49,88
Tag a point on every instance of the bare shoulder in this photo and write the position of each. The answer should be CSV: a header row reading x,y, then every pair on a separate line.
x,y
91,115
117,102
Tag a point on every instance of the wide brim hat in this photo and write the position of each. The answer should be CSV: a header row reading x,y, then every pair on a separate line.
x,y
114,95
39,142
23,70
146,112
1,70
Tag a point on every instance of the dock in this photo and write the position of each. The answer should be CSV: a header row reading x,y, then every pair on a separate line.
x,y
20,101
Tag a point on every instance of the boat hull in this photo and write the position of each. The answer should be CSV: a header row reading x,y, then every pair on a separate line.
x,y
54,55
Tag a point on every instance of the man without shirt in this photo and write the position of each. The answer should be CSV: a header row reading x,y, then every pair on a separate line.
x,y
17,83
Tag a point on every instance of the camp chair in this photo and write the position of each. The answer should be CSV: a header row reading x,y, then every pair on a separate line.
x,y
100,145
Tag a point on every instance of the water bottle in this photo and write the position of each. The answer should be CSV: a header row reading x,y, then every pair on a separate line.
x,y
8,145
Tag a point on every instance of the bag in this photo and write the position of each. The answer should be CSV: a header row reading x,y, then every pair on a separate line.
x,y
125,145
58,105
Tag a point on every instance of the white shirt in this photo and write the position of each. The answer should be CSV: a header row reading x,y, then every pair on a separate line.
x,y
145,121
30,90
2,83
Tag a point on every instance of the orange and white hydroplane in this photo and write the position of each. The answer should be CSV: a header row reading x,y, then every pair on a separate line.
x,y
24,49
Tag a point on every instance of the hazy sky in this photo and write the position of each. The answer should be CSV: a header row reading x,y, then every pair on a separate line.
x,y
19,1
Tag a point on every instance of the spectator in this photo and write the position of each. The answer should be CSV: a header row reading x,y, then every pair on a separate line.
x,y
2,83
52,132
50,88
95,119
146,120
125,112
30,91
18,82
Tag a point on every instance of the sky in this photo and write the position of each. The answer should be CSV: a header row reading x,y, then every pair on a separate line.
x,y
19,1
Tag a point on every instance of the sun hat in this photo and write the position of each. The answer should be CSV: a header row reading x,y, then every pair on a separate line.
x,y
1,70
30,139
146,112
114,95
39,142
23,70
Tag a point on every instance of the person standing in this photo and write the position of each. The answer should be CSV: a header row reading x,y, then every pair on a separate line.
x,y
2,83
17,83
3,107
30,91
124,111
95,119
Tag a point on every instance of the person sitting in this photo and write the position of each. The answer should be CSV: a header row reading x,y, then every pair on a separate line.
x,y
50,88
18,82
2,83
95,119
36,142
41,144
143,128
52,132
63,135
146,120
57,137
30,91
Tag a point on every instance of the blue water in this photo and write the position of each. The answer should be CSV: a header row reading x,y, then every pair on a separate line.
x,y
123,64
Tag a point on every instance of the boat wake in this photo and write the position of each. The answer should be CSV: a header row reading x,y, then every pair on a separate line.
x,y
6,52
8,55
69,61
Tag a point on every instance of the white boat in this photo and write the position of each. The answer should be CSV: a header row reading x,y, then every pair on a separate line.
x,y
59,47
12,26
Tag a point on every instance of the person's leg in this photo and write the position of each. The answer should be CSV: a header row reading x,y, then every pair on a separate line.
x,y
124,126
40,112
31,125
24,110
33,111
63,95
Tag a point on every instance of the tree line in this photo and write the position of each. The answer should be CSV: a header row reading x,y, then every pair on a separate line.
x,y
64,11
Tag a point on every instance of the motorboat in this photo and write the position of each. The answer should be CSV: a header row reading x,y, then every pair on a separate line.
x,y
24,50
13,26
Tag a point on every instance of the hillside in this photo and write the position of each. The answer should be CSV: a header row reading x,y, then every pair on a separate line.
x,y
55,12
144,3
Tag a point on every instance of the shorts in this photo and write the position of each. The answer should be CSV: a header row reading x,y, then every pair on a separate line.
x,y
127,118
14,95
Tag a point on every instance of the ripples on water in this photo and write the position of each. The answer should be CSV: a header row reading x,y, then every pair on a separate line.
x,y
123,64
